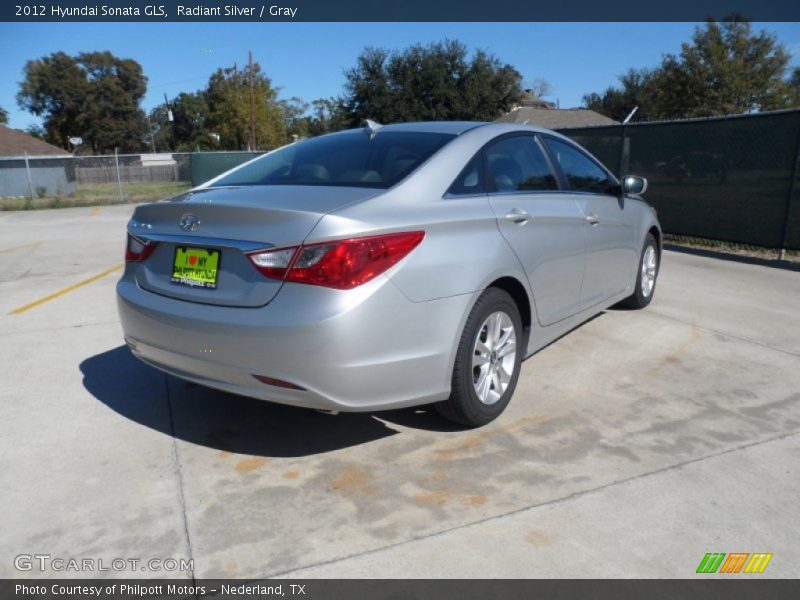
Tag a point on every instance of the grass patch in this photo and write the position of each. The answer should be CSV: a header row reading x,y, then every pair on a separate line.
x,y
100,194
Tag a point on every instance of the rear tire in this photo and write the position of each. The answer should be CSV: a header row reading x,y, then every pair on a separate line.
x,y
487,362
646,275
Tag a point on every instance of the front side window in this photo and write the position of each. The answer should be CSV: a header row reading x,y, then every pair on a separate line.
x,y
582,173
353,159
518,164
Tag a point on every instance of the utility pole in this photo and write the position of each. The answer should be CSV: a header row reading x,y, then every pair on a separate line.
x,y
238,89
252,142
152,138
170,120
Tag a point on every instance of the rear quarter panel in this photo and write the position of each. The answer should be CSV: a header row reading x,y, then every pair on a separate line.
x,y
462,250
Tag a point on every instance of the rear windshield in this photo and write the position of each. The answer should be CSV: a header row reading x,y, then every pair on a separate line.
x,y
355,159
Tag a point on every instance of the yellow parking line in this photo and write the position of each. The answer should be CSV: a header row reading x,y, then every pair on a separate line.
x,y
21,247
66,290
94,211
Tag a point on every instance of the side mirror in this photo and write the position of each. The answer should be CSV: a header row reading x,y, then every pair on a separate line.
x,y
634,185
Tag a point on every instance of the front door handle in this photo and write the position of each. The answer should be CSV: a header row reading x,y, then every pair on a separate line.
x,y
592,219
518,216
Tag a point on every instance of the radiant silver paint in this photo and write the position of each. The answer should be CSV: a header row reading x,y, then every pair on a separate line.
x,y
391,342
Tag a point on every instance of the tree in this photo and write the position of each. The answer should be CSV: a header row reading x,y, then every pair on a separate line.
x,y
328,115
190,114
724,69
223,109
94,95
424,83
324,115
295,121
36,131
188,130
228,99
55,87
539,87
111,115
617,103
3,116
794,82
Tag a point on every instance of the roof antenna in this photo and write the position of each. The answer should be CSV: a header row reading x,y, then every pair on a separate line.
x,y
372,127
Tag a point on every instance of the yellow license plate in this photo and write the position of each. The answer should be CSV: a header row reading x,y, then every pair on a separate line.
x,y
196,267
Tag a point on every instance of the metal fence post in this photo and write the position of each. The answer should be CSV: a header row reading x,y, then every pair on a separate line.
x,y
792,189
624,152
30,180
119,179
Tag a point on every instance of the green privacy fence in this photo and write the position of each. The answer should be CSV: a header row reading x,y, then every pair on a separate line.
x,y
207,165
728,178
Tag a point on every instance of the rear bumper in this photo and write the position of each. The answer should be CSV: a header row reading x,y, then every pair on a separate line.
x,y
365,349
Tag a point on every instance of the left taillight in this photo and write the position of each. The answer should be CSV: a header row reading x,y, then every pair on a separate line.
x,y
137,250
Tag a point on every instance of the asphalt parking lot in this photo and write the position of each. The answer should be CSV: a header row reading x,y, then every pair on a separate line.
x,y
634,445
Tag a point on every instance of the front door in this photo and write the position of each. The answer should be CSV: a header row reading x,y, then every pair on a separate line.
x,y
610,247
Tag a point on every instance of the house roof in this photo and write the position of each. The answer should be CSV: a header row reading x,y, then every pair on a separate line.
x,y
556,118
17,143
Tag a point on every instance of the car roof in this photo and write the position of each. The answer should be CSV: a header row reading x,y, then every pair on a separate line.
x,y
453,127
449,127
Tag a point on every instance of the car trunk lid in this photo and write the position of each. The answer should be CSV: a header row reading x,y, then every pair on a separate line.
x,y
231,221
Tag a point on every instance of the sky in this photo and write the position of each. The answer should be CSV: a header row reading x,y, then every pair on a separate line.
x,y
308,59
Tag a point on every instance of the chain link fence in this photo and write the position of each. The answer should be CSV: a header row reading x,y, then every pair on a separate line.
x,y
62,181
732,179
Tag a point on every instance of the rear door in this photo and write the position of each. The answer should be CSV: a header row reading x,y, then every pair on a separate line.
x,y
610,235
543,225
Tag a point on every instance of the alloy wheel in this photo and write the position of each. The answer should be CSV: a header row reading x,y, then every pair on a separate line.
x,y
649,268
494,357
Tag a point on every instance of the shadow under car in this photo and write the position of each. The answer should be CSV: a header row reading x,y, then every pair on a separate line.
x,y
231,423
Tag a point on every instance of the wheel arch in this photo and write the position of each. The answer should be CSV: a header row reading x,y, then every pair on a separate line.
x,y
656,234
514,288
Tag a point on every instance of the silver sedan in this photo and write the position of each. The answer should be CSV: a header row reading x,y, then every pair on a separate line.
x,y
386,267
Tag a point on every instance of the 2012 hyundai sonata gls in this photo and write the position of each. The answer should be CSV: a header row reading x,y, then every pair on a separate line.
x,y
385,267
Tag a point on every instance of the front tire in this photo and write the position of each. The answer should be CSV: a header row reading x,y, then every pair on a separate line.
x,y
487,362
646,276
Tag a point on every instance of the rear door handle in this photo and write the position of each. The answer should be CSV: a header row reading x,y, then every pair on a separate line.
x,y
518,216
592,219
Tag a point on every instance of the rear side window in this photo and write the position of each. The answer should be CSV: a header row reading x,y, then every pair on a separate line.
x,y
354,158
470,180
518,164
582,173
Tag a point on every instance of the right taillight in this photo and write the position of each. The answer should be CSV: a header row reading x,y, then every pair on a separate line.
x,y
137,250
341,264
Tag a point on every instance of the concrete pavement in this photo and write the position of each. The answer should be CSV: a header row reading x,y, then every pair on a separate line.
x,y
634,445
